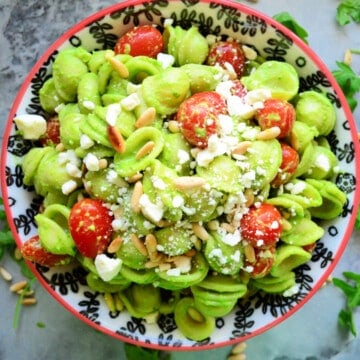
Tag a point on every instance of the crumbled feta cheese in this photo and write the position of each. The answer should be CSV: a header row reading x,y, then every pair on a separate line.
x,y
86,142
91,162
166,60
31,126
154,212
322,162
228,238
130,102
73,170
173,272
68,156
68,187
87,104
178,201
112,113
183,156
158,183
292,291
107,267
226,124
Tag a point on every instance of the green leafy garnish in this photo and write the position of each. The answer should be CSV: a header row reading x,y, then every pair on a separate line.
x,y
357,221
349,82
6,239
351,289
136,352
287,20
347,11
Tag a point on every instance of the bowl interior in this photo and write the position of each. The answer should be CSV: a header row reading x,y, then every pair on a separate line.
x,y
257,313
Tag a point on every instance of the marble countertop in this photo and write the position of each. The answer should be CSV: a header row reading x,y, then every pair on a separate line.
x,y
27,28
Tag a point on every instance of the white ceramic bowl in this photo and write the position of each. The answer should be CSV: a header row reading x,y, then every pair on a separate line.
x,y
271,40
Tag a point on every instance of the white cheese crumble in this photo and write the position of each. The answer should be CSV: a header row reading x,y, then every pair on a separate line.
x,y
86,142
153,212
31,126
183,156
178,201
73,170
106,267
158,183
322,162
87,104
112,113
68,187
166,60
130,102
292,291
91,162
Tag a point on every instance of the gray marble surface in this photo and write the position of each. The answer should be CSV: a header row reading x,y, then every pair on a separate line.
x,y
27,28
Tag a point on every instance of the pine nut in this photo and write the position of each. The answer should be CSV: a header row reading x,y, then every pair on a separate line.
x,y
241,148
109,301
116,139
5,274
134,178
249,252
173,126
114,246
213,225
119,305
249,52
286,226
139,244
145,150
151,243
146,118
118,66
250,197
151,264
348,57
200,232
164,266
191,253
236,357
188,182
103,164
29,301
25,292
239,348
268,134
228,227
135,197
59,147
17,254
18,286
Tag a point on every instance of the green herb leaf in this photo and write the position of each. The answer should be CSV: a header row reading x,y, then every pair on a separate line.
x,y
346,320
136,352
349,82
287,20
347,11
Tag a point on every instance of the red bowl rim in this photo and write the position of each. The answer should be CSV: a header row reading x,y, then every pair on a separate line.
x,y
243,8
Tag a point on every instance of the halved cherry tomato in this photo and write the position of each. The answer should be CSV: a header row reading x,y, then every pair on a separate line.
x,y
226,53
52,134
289,163
32,250
90,226
264,259
142,40
261,226
276,112
198,116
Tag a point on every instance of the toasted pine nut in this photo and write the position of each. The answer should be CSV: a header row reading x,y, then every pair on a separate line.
x,y
240,356
164,266
241,148
117,65
116,139
139,244
151,264
249,252
151,243
25,292
18,286
29,301
228,227
249,195
188,182
109,301
134,178
114,246
145,150
348,57
198,244
268,134
285,224
135,197
249,52
173,126
59,147
213,225
200,231
190,253
5,274
119,305
146,118
103,164
239,348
